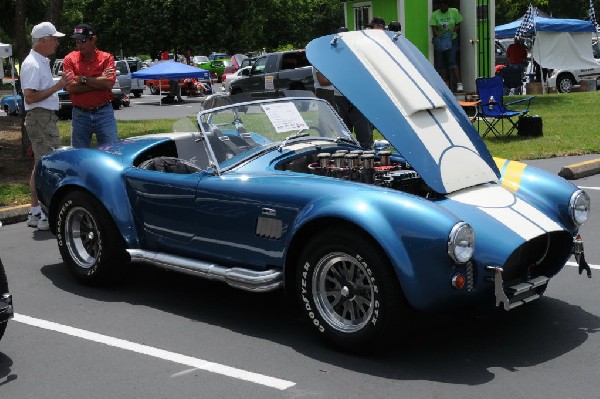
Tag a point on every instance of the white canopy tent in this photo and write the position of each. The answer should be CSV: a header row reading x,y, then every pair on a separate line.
x,y
558,43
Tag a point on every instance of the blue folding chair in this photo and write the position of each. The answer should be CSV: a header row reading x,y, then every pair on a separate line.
x,y
492,109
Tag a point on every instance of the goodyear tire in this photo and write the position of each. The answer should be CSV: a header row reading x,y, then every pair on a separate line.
x,y
89,242
348,290
3,290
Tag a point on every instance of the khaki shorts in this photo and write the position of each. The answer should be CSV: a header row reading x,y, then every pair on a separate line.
x,y
42,131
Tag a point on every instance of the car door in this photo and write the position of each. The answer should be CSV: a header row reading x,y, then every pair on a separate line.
x,y
164,207
237,220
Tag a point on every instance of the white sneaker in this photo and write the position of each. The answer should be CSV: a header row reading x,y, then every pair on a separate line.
x,y
43,224
33,220
459,87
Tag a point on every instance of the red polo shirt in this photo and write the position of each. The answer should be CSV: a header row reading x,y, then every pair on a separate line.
x,y
93,67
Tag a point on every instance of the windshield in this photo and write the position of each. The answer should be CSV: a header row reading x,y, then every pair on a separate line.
x,y
237,131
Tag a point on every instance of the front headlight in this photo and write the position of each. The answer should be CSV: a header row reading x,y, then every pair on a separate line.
x,y
461,242
579,207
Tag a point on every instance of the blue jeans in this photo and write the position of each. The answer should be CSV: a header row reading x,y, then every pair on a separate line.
x,y
101,122
447,59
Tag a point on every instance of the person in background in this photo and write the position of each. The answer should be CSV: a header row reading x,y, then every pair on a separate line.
x,y
517,53
395,26
352,117
91,92
376,23
41,103
447,20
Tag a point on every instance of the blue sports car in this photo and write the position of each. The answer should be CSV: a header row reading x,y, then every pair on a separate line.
x,y
277,194
16,108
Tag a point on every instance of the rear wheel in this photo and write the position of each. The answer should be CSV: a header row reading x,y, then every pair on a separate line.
x,y
153,90
348,290
565,83
88,239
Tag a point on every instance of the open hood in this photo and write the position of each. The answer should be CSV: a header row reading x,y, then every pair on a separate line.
x,y
400,92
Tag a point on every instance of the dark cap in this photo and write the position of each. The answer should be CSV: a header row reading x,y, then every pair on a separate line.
x,y
395,26
376,21
83,31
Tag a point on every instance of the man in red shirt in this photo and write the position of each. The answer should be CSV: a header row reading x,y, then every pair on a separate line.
x,y
91,90
516,53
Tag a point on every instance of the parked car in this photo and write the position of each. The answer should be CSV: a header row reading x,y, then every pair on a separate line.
x,y
190,87
227,71
137,85
216,55
277,194
565,79
275,72
13,105
216,68
197,60
239,74
6,306
501,58
248,62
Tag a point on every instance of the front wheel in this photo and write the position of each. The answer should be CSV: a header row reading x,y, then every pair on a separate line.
x,y
348,290
153,90
89,241
3,290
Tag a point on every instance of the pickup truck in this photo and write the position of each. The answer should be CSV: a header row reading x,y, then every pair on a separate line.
x,y
274,72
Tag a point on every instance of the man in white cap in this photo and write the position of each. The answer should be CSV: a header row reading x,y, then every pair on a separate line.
x,y
41,103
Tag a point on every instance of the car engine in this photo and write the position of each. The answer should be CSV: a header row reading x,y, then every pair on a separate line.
x,y
366,167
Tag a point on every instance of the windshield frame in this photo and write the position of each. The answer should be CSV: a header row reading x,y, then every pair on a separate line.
x,y
210,130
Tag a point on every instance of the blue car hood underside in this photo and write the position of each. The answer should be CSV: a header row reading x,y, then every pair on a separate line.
x,y
398,90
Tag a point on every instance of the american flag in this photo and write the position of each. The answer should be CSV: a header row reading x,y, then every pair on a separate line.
x,y
528,21
593,16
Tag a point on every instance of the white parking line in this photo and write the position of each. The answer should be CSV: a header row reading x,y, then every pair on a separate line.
x,y
589,188
591,266
157,353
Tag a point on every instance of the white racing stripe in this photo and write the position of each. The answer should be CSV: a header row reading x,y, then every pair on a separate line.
x,y
157,353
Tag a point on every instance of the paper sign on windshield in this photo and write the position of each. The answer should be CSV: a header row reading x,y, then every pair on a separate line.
x,y
284,117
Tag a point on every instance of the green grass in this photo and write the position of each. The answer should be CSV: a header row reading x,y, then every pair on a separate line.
x,y
14,194
571,127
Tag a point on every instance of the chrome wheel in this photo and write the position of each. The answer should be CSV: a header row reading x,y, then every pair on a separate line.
x,y
82,237
565,84
343,292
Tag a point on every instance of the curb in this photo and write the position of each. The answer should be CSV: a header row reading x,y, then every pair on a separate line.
x,y
13,214
581,169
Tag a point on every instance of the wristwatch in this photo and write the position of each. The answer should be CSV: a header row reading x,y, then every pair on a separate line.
x,y
83,79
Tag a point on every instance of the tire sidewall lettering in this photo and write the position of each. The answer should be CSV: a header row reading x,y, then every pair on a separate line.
x,y
314,316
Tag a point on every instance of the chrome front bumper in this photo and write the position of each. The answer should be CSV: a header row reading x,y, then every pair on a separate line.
x,y
518,294
532,288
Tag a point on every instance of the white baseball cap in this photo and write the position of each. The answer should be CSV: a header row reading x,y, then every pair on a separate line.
x,y
45,29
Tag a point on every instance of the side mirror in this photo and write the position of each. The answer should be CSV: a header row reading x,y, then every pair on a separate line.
x,y
118,73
